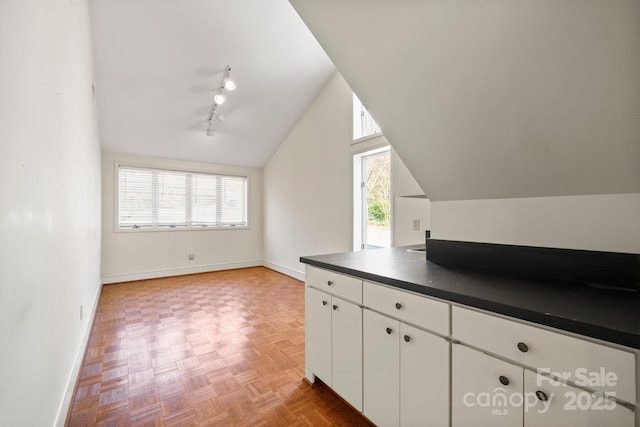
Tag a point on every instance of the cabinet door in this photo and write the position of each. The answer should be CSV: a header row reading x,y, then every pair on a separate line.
x,y
381,369
552,403
485,391
424,378
318,334
346,344
539,348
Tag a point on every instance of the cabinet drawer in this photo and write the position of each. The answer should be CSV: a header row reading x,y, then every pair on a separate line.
x,y
585,363
346,287
570,406
418,310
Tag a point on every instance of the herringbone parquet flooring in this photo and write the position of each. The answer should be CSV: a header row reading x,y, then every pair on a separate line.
x,y
212,349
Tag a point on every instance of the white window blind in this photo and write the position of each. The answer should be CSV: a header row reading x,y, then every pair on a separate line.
x,y
172,198
155,198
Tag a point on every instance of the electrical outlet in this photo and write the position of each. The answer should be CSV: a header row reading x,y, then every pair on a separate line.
x,y
191,257
416,224
81,312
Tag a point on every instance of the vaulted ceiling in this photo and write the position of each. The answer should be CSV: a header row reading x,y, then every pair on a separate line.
x,y
157,63
496,98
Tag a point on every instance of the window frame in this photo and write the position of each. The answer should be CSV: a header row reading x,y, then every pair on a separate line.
x,y
357,119
116,199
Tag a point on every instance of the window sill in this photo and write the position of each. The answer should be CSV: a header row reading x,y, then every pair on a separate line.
x,y
366,138
175,229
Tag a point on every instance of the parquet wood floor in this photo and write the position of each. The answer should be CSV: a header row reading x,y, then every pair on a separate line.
x,y
213,349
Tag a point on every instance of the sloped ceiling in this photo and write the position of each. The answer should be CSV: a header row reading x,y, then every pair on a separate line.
x,y
157,63
496,98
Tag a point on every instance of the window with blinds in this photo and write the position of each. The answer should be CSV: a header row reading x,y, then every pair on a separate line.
x,y
158,199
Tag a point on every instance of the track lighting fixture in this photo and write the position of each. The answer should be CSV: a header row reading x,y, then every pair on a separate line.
x,y
219,98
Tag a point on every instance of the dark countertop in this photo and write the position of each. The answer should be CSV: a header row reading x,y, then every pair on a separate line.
x,y
612,316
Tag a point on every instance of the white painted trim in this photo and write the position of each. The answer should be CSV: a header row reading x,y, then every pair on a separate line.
x,y
369,143
142,275
366,138
296,274
65,404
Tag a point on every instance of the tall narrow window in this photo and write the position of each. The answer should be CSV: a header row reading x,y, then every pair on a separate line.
x,y
157,199
372,199
363,123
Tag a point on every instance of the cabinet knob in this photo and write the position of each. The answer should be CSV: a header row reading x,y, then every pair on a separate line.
x,y
398,306
324,302
389,330
503,380
407,338
329,283
542,396
335,307
523,347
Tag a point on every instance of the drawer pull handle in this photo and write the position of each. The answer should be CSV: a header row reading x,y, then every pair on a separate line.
x,y
324,302
542,396
523,347
335,307
407,338
389,330
398,306
503,380
329,283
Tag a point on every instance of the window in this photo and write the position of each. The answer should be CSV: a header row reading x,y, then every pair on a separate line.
x,y
165,199
363,123
372,199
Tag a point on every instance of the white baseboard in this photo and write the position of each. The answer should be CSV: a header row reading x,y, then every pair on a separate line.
x,y
142,275
296,274
65,404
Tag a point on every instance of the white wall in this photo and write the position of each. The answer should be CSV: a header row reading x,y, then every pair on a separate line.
x,y
497,98
531,105
407,208
597,222
133,255
50,206
308,184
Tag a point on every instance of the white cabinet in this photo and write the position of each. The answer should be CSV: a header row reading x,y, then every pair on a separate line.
x,y
424,378
381,369
486,390
560,405
333,342
539,348
318,334
388,353
483,390
406,374
411,308
346,351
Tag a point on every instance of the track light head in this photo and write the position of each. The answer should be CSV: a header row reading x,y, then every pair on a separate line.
x,y
219,98
229,84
